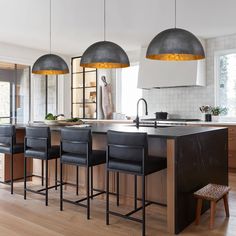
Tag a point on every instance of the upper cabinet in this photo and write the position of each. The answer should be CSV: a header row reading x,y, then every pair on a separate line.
x,y
164,74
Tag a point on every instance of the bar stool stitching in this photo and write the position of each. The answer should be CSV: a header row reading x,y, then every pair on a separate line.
x,y
38,145
127,152
76,149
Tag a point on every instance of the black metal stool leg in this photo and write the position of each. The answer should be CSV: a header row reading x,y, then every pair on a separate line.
x,y
42,171
56,174
117,189
91,182
12,173
143,206
77,180
25,173
61,187
107,197
88,197
46,199
135,192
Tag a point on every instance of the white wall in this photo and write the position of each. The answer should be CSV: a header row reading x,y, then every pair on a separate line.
x,y
27,56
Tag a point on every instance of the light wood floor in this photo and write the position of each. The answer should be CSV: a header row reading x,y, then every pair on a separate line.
x,y
31,217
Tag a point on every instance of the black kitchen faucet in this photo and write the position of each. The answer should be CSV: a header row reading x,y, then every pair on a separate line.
x,y
146,110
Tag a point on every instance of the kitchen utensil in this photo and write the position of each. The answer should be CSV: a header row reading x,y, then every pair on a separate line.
x,y
161,115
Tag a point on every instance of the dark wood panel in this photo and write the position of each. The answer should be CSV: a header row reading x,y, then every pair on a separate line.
x,y
200,159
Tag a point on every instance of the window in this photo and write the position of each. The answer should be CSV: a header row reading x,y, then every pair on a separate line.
x,y
129,93
14,93
226,81
44,96
5,102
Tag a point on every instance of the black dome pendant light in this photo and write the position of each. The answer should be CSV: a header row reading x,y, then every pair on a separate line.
x,y
104,54
175,44
50,64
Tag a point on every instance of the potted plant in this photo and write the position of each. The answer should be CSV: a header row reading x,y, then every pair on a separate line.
x,y
206,111
217,111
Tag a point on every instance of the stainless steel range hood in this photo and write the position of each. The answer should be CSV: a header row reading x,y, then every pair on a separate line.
x,y
169,74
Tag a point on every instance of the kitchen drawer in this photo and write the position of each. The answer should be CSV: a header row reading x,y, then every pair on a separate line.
x,y
232,143
232,135
232,130
232,159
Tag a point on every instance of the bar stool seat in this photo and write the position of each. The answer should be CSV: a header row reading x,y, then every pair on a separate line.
x,y
97,157
17,148
152,164
53,152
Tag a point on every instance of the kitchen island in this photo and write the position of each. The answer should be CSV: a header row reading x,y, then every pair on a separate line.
x,y
195,156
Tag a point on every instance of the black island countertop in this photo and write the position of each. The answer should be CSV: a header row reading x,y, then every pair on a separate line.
x,y
161,132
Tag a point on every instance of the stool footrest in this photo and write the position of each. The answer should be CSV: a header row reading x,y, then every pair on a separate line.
x,y
74,202
43,189
125,216
94,195
34,191
8,182
138,209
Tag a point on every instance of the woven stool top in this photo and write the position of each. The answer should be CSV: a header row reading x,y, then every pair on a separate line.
x,y
212,192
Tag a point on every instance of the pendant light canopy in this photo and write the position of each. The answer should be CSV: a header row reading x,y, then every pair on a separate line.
x,y
50,64
175,45
104,54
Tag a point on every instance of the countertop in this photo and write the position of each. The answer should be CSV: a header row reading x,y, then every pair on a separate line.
x,y
167,132
212,123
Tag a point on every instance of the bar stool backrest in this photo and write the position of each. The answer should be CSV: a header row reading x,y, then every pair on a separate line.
x,y
76,140
127,146
7,135
38,138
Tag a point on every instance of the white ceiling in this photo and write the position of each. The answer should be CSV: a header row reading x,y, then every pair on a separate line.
x,y
131,23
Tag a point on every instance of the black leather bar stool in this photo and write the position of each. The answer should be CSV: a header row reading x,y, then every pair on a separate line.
x,y
128,153
76,149
9,146
38,146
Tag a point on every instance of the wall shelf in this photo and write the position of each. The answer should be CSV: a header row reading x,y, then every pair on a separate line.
x,y
83,89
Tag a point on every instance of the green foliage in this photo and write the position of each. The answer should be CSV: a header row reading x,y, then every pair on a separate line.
x,y
216,111
50,116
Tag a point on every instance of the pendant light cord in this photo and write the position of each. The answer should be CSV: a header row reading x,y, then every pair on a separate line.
x,y
175,13
104,20
50,29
